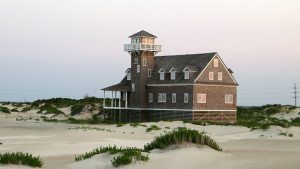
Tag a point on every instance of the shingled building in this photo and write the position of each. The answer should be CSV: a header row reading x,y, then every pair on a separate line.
x,y
173,87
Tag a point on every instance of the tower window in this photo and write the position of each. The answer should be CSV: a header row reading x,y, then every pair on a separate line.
x,y
186,98
201,98
150,97
133,87
159,97
149,72
144,61
211,75
138,68
220,76
216,63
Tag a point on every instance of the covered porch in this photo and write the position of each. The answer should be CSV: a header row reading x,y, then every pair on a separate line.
x,y
118,94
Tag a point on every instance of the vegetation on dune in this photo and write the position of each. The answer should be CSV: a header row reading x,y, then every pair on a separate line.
x,y
18,158
57,102
126,155
4,110
152,128
137,124
181,135
296,122
49,109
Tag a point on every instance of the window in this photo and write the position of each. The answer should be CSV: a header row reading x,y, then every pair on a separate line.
x,y
173,97
159,97
124,95
133,87
211,76
186,75
201,98
228,98
216,62
173,73
149,72
128,76
220,75
164,97
144,61
138,68
161,74
150,97
186,98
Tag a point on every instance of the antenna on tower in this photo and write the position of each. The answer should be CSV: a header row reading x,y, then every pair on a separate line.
x,y
295,93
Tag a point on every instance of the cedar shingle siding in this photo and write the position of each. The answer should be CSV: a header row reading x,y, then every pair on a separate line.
x,y
198,65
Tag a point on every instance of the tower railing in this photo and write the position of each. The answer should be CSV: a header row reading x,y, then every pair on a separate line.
x,y
142,47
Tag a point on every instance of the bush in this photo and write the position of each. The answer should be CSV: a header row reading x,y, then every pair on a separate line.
x,y
152,127
5,110
14,110
77,108
21,158
49,109
180,136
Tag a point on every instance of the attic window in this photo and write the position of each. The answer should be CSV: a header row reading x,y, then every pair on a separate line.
x,y
161,74
211,75
216,63
186,72
128,74
173,73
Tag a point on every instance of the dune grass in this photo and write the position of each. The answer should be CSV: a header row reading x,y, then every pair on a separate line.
x,y
127,155
179,136
20,158
4,110
152,128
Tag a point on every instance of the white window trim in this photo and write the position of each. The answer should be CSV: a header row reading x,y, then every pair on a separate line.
x,y
211,76
164,97
186,97
149,72
159,97
220,76
161,74
201,98
228,98
144,61
138,68
173,75
186,75
173,97
150,97
133,87
216,62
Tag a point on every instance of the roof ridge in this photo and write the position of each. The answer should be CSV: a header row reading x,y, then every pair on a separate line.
x,y
188,54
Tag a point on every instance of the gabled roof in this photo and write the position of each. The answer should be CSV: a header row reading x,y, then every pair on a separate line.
x,y
194,62
143,33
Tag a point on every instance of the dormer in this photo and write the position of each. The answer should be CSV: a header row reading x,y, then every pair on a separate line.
x,y
128,74
161,72
186,72
173,73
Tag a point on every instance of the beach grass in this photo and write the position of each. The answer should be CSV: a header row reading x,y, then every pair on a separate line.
x,y
20,158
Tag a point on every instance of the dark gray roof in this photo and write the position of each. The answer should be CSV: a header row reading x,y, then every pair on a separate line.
x,y
195,63
124,85
143,33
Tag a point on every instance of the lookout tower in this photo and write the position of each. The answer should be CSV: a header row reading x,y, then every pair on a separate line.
x,y
142,50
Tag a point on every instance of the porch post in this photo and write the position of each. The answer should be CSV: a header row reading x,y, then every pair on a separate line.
x,y
103,99
115,98
112,99
120,99
126,100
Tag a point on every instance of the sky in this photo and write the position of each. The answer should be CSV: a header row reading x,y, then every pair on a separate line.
x,y
67,48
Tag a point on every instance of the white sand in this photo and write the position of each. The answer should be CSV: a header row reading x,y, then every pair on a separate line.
x,y
57,145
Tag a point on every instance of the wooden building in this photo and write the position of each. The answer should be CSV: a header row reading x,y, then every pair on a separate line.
x,y
174,87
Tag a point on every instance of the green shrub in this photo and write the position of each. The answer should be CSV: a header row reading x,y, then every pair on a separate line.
x,y
120,124
18,158
152,127
49,109
5,110
77,108
296,122
14,110
181,135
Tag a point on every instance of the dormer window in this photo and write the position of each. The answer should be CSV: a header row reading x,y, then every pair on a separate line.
x,y
216,63
186,72
173,73
128,74
161,74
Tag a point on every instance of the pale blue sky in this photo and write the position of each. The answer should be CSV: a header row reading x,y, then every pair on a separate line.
x,y
66,48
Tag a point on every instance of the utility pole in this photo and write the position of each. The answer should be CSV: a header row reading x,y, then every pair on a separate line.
x,y
295,93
